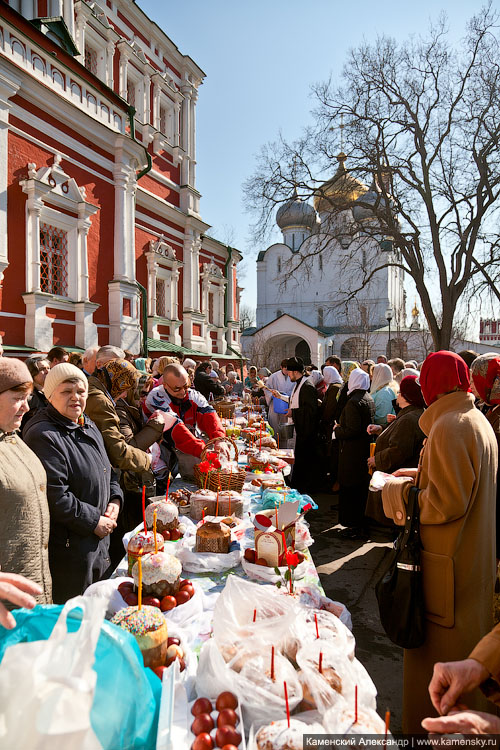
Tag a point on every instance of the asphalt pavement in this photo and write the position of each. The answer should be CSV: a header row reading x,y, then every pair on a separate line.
x,y
348,571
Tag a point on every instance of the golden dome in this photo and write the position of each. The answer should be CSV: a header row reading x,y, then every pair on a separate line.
x,y
415,312
341,191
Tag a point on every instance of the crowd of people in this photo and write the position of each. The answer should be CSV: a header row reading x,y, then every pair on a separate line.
x,y
82,436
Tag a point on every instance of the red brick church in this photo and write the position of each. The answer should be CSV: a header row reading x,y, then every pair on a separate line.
x,y
101,239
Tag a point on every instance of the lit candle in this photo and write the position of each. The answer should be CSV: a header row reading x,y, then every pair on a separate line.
x,y
387,722
316,621
203,514
139,582
272,663
144,508
320,665
154,529
287,706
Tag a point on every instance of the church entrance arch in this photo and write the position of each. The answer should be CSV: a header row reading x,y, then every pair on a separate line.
x,y
303,351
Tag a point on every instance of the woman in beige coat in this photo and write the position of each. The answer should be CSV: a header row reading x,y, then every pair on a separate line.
x,y
24,510
457,510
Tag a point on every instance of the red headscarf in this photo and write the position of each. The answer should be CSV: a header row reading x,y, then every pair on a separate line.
x,y
443,372
411,391
485,371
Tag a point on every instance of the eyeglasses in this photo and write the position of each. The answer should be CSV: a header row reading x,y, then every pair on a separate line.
x,y
178,389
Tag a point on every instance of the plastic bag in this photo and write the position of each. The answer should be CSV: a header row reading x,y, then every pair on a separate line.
x,y
108,590
125,718
311,597
303,631
351,673
278,733
268,574
303,538
271,498
184,613
206,562
261,700
240,601
340,719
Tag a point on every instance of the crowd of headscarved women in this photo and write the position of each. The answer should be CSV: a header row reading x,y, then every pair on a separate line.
x,y
437,426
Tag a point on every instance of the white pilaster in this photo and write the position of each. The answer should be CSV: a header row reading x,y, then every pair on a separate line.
x,y
121,176
110,52
86,329
124,57
68,15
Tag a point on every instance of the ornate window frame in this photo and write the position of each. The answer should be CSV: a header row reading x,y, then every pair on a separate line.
x,y
213,282
164,265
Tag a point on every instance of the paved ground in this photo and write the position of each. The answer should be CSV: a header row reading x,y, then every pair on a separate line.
x,y
348,572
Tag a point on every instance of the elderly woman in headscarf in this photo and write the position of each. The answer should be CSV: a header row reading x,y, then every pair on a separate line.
x,y
83,492
329,414
111,382
399,444
457,482
353,475
383,391
485,372
346,368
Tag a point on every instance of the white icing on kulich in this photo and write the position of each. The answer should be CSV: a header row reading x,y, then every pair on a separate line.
x,y
165,512
159,567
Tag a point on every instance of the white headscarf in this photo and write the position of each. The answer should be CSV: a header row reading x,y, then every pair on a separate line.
x,y
358,380
382,375
409,371
315,377
331,375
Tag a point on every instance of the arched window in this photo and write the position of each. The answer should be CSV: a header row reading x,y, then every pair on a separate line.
x,y
355,348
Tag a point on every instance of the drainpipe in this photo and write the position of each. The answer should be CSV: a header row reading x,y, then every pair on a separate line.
x,y
226,311
142,290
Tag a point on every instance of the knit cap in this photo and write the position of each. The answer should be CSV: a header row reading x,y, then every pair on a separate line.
x,y
59,374
13,372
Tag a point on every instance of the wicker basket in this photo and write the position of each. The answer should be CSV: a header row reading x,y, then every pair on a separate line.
x,y
218,478
225,409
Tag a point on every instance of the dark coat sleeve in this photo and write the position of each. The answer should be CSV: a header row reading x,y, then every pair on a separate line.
x,y
401,444
65,507
305,418
351,422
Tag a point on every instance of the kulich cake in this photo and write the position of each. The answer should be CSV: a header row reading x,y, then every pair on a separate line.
x,y
167,516
213,536
203,499
259,460
369,722
149,628
329,675
160,575
267,442
230,503
280,736
181,497
142,540
258,670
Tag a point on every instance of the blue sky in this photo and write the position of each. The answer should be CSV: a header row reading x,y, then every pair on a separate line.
x,y
260,58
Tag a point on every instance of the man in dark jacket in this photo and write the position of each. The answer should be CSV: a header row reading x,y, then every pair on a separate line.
x,y
305,415
206,384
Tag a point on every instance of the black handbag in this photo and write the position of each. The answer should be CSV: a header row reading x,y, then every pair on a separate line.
x,y
399,591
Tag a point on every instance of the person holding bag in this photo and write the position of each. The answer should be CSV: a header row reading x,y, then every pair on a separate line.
x,y
457,504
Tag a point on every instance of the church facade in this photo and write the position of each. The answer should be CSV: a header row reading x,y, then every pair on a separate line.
x,y
327,251
101,236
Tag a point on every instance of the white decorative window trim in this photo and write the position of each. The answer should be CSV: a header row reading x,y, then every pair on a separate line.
x,y
52,185
163,264
213,282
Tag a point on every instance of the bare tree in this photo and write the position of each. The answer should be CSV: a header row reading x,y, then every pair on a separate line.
x,y
421,122
247,317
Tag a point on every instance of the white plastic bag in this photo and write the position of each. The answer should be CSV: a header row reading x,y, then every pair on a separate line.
x,y
47,687
205,562
330,628
239,601
260,705
268,574
340,719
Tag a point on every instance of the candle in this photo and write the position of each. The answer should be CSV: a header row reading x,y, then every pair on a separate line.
x,y
217,504
203,514
154,529
316,621
276,513
356,704
284,543
387,722
320,665
254,615
260,438
272,663
229,503
287,706
139,582
144,508
278,439
168,485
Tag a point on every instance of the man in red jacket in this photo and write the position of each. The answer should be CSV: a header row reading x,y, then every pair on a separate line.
x,y
188,413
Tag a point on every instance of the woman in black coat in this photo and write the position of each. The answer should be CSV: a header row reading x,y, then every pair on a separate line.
x,y
353,476
205,384
83,493
399,444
